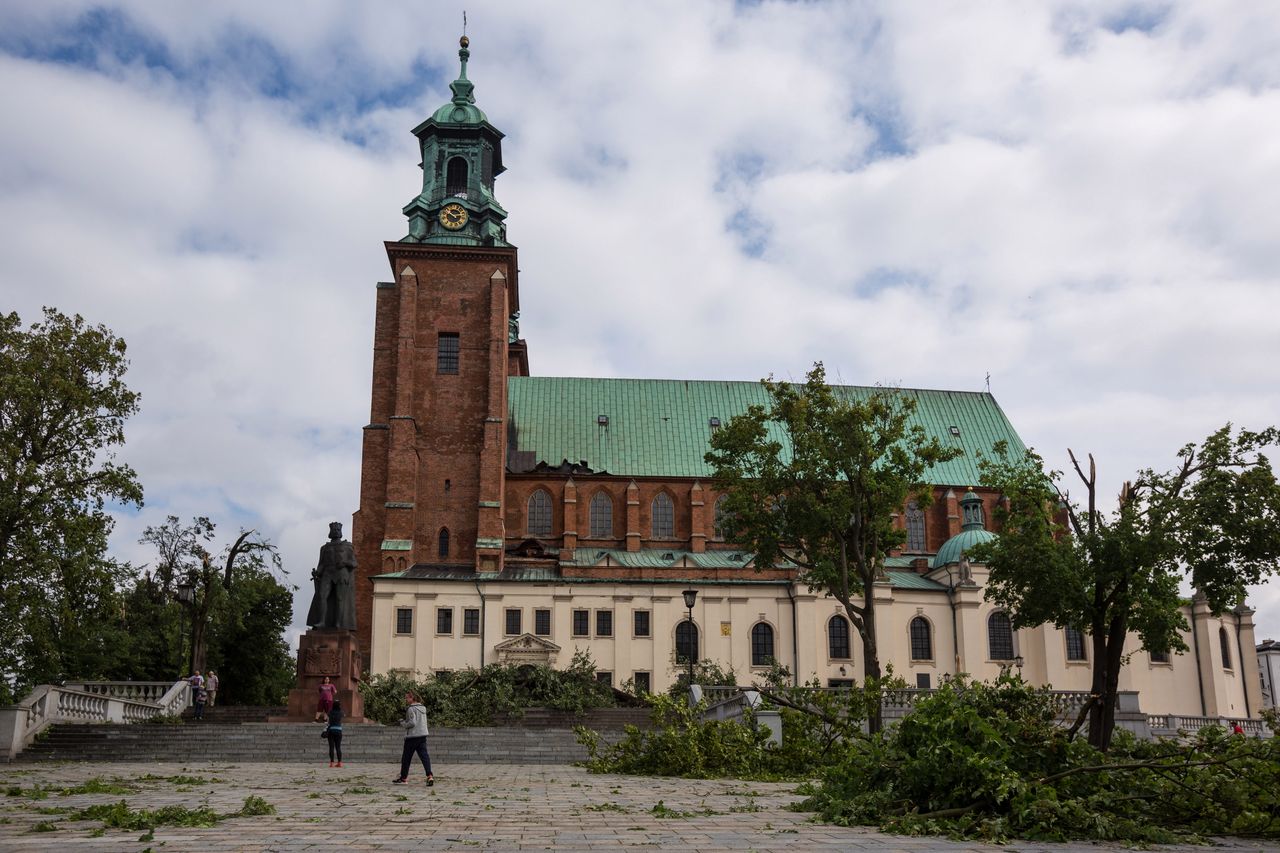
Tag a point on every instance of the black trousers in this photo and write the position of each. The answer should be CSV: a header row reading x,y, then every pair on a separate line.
x,y
414,745
335,745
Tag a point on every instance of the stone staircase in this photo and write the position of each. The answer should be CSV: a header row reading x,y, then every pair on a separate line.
x,y
538,738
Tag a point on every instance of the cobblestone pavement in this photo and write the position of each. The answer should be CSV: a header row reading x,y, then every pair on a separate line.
x,y
471,807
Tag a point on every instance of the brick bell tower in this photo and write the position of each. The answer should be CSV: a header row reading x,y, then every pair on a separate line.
x,y
445,338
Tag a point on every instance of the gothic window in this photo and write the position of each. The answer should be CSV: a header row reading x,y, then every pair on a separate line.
x,y
664,515
447,353
1075,644
686,642
443,549
601,512
1225,642
921,639
838,637
999,636
718,532
539,513
915,527
761,644
456,182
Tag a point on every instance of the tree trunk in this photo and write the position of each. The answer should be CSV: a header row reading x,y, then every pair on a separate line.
x,y
198,645
1098,684
870,657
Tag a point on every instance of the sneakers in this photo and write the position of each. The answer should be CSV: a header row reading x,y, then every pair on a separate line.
x,y
400,781
330,763
339,764
431,781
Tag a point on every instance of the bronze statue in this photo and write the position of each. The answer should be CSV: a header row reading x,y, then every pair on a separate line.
x,y
334,603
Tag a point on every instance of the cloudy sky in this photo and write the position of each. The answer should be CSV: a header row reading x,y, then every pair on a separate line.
x,y
1080,200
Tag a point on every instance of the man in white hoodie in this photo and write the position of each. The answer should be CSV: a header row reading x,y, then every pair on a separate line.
x,y
415,740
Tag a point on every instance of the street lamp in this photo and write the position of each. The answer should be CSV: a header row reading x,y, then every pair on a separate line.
x,y
690,595
185,591
1018,663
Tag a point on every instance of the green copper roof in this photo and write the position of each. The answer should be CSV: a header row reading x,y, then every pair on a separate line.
x,y
661,427
959,545
659,558
462,108
911,580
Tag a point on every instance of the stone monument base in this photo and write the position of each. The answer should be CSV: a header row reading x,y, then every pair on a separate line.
x,y
326,651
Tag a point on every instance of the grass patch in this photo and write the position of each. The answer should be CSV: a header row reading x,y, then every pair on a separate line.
x,y
121,816
359,789
44,826
607,807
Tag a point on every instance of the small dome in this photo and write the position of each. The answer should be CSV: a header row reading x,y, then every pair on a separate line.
x,y
959,545
456,113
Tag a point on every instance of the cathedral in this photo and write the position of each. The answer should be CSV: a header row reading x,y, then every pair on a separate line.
x,y
506,517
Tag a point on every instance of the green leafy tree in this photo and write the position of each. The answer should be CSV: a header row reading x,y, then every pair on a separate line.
x,y
63,405
814,481
187,574
1214,519
246,636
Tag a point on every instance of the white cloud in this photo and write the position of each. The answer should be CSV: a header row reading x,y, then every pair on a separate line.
x,y
1076,201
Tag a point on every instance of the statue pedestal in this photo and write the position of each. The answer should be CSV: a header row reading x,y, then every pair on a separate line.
x,y
333,652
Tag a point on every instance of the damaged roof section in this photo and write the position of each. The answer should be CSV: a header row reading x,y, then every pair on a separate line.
x,y
663,427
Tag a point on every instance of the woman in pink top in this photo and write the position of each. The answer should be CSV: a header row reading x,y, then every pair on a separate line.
x,y
327,691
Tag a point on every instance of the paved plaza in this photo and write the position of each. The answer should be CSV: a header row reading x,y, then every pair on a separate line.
x,y
471,807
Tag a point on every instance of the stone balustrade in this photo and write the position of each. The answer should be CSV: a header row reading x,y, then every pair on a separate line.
x,y
87,702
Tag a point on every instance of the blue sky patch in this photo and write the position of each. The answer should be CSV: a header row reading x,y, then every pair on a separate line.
x,y
95,40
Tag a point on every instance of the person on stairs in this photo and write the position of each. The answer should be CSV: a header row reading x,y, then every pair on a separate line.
x,y
334,728
415,740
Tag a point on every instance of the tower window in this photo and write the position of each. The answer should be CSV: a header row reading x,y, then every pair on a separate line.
x,y
761,644
447,353
686,642
539,513
1225,642
717,531
456,180
663,517
601,513
915,527
838,638
443,549
999,636
921,639
1075,644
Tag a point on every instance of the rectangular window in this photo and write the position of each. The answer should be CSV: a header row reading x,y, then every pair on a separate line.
x,y
840,683
641,623
581,623
1161,656
604,623
471,621
513,622
444,620
447,353
922,680
641,681
404,620
542,623
605,678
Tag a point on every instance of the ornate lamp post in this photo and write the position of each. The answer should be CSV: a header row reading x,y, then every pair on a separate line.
x,y
185,591
690,595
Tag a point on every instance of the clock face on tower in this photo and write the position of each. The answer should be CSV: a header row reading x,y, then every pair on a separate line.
x,y
453,216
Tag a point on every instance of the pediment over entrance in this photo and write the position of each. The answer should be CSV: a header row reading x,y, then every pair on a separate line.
x,y
527,649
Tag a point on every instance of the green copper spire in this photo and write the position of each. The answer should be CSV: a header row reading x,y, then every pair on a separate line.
x,y
461,156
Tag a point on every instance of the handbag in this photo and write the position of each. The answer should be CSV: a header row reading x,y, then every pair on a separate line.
x,y
324,733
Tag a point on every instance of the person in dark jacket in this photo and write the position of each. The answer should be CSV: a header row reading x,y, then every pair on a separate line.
x,y
334,728
415,740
